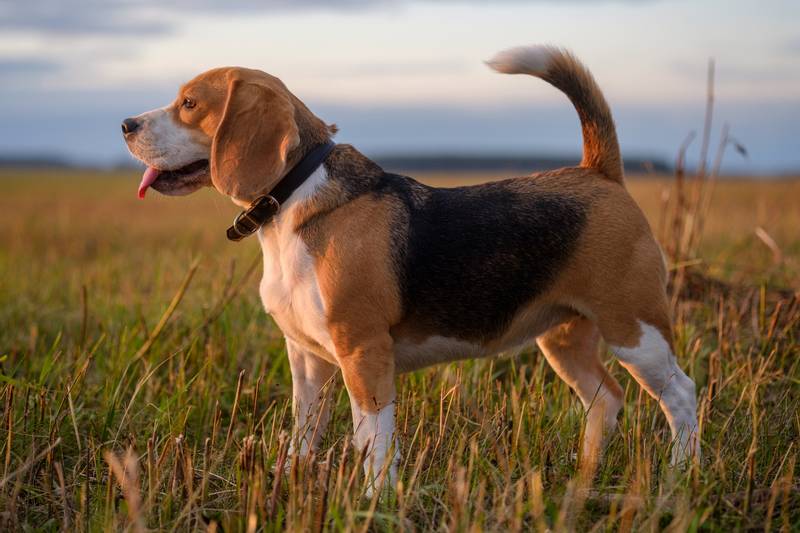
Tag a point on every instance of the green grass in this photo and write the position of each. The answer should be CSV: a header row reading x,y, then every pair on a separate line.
x,y
87,272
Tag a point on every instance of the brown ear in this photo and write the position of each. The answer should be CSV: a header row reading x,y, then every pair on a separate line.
x,y
254,136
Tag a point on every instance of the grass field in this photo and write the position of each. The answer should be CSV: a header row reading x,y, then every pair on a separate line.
x,y
142,386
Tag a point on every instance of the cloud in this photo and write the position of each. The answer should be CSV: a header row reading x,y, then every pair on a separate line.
x,y
76,17
147,17
71,17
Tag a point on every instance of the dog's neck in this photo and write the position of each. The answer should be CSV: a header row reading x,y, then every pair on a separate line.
x,y
348,174
311,130
264,208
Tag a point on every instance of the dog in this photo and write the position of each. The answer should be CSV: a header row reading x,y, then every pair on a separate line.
x,y
372,274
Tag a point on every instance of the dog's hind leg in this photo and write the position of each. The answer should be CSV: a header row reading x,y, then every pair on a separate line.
x,y
651,361
627,298
635,323
572,351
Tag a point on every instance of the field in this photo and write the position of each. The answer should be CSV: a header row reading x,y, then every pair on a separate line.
x,y
142,386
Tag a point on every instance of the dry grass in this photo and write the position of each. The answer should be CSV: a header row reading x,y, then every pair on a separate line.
x,y
142,386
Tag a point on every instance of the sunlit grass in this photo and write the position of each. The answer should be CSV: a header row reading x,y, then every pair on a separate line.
x,y
87,272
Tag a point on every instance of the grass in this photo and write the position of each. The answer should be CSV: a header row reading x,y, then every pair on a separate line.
x,y
142,386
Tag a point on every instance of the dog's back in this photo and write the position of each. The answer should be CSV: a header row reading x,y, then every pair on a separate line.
x,y
469,258
505,244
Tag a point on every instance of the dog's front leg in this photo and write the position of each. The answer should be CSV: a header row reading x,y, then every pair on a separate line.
x,y
368,371
311,398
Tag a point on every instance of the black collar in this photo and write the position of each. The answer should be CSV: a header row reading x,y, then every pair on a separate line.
x,y
265,207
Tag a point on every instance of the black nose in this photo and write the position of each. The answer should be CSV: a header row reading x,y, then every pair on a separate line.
x,y
130,125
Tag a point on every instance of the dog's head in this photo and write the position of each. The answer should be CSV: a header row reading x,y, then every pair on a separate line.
x,y
238,130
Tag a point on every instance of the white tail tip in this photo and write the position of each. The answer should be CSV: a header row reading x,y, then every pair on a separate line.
x,y
533,60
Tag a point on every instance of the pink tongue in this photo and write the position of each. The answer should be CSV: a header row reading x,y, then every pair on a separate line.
x,y
148,178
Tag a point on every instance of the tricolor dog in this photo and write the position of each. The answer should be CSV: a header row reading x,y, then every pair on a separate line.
x,y
372,274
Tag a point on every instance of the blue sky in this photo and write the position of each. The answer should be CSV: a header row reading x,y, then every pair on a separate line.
x,y
403,76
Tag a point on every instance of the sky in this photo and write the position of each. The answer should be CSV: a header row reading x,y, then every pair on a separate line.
x,y
402,76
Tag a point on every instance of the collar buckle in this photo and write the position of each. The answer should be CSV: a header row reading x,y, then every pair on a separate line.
x,y
251,219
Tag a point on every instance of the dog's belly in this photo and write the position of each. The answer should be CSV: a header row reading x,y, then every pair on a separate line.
x,y
415,354
412,355
414,351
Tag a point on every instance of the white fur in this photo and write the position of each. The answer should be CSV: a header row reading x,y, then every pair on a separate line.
x,y
374,432
289,287
653,365
533,60
162,143
290,293
311,397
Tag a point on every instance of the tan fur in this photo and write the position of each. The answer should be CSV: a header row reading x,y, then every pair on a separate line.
x,y
253,140
572,349
267,131
617,275
359,286
600,145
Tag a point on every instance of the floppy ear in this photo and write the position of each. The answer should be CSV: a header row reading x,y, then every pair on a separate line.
x,y
254,136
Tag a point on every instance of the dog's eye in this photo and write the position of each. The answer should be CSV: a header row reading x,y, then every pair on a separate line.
x,y
188,103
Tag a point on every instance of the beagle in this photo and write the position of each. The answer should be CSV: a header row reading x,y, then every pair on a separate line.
x,y
373,274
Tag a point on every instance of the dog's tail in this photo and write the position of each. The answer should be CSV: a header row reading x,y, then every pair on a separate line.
x,y
561,69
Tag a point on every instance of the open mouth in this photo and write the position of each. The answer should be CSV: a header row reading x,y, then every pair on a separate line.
x,y
171,178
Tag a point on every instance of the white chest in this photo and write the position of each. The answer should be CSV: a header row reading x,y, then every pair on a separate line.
x,y
289,288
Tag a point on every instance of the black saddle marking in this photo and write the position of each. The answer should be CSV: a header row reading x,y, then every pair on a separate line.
x,y
473,256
